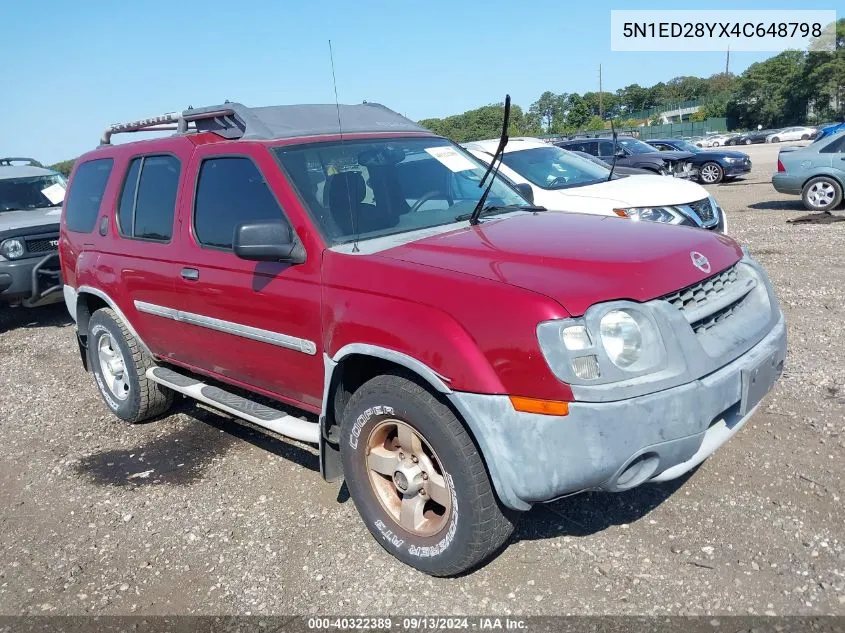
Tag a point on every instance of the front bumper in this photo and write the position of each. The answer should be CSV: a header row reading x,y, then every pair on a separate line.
x,y
613,445
31,281
737,169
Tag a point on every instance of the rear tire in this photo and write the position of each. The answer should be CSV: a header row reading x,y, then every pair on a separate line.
x,y
822,193
120,365
747,141
378,431
775,139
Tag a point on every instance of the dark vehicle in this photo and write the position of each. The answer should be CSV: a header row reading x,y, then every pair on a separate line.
x,y
30,204
753,136
631,152
618,170
713,165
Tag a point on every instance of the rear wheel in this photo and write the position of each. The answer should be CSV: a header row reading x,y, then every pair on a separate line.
x,y
417,479
822,194
747,141
804,137
711,173
119,365
775,139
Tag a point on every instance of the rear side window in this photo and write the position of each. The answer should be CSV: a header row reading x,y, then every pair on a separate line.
x,y
86,194
836,147
231,191
148,200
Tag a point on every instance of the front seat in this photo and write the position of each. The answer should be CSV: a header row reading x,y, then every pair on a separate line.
x,y
345,200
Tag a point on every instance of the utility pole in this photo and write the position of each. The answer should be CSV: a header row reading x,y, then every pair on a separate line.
x,y
728,61
601,109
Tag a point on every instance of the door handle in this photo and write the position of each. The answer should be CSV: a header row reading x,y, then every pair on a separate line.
x,y
190,274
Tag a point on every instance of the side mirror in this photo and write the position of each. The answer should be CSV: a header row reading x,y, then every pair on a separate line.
x,y
620,153
525,191
267,242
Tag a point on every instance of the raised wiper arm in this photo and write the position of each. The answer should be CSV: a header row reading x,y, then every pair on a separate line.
x,y
493,166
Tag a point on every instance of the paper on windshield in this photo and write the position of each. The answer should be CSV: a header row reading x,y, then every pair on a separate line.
x,y
54,193
451,159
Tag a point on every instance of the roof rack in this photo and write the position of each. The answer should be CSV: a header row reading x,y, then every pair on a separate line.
x,y
235,120
7,162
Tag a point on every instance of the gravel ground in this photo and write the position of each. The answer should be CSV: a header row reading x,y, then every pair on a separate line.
x,y
197,514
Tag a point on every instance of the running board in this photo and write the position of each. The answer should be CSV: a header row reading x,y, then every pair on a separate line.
x,y
254,412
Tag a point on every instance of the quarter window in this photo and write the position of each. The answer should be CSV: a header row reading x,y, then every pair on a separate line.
x,y
148,201
231,191
86,194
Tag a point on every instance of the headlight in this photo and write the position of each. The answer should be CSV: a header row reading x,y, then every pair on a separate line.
x,y
729,159
611,343
665,215
12,249
629,339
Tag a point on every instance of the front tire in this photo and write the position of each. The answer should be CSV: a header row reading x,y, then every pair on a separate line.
x,y
775,139
418,480
119,365
821,194
747,141
711,173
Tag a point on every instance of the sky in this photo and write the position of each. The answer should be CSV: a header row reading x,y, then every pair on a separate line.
x,y
68,69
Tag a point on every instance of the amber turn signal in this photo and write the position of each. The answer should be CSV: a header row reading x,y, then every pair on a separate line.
x,y
535,405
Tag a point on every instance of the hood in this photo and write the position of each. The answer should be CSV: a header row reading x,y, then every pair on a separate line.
x,y
642,191
11,220
717,154
576,259
668,156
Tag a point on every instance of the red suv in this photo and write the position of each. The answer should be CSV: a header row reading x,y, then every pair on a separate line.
x,y
332,287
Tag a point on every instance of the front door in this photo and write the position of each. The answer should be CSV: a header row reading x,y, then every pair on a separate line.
x,y
253,323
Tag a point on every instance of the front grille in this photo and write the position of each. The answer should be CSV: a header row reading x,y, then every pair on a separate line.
x,y
42,245
702,325
697,295
703,210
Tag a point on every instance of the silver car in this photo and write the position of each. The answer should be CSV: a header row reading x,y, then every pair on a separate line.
x,y
815,172
30,208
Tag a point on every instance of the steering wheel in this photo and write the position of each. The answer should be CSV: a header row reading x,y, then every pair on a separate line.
x,y
560,180
425,198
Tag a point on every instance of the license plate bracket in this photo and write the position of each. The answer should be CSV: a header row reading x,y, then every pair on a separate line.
x,y
758,381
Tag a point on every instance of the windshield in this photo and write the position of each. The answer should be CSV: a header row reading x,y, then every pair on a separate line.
x,y
367,189
34,192
634,146
553,168
686,146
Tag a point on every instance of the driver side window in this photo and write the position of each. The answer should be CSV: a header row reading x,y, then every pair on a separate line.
x,y
605,149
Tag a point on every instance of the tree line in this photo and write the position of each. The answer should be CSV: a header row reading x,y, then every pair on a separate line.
x,y
793,87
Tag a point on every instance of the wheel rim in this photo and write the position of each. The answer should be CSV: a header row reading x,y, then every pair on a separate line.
x,y
113,367
821,194
408,479
710,173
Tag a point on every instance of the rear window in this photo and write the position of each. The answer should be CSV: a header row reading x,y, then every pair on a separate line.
x,y
86,194
148,200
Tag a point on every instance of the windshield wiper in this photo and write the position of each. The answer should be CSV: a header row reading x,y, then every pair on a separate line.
x,y
493,166
500,207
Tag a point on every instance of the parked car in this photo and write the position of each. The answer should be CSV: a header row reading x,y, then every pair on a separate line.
x,y
562,181
753,136
713,165
455,361
797,133
815,172
617,170
30,205
828,130
633,152
714,140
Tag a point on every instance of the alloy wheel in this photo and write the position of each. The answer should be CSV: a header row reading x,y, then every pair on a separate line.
x,y
113,367
710,173
407,478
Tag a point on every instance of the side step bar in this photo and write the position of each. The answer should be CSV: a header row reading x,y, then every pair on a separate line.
x,y
254,412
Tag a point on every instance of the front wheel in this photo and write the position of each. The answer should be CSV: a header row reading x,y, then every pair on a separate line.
x,y
747,141
821,194
711,173
418,480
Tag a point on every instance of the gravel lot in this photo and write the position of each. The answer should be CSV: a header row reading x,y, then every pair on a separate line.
x,y
197,514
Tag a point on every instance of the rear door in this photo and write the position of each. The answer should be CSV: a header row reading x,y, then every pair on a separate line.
x,y
252,323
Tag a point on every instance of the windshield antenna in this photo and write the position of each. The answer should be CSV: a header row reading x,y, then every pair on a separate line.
x,y
352,212
493,166
613,164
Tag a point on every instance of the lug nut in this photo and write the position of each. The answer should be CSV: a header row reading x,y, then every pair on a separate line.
x,y
415,459
425,476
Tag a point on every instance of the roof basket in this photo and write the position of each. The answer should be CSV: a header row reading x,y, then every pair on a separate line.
x,y
221,120
7,162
